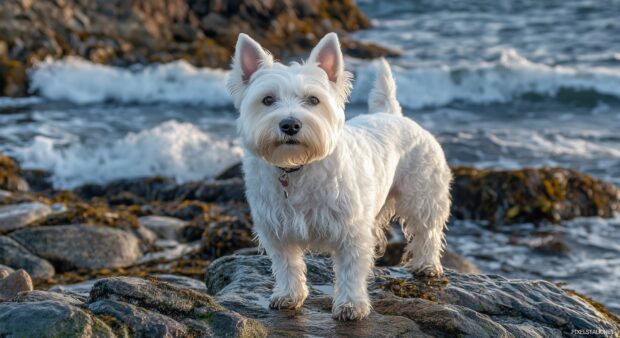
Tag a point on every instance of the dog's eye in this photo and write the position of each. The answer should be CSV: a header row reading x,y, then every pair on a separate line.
x,y
313,100
268,100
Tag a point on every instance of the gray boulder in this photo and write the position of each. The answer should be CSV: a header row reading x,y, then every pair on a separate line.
x,y
167,308
14,255
49,319
81,246
17,216
468,305
13,284
142,322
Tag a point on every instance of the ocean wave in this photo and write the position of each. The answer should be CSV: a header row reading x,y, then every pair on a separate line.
x,y
173,149
511,77
77,80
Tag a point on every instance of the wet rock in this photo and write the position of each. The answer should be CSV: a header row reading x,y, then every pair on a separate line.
x,y
164,189
164,227
81,246
38,180
5,271
49,319
198,311
78,290
142,322
13,217
530,195
234,171
222,238
10,178
40,296
13,284
171,252
16,256
458,263
455,305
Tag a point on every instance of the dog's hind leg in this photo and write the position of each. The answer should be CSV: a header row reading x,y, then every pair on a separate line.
x,y
423,205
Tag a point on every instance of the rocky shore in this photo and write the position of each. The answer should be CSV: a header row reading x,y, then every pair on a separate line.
x,y
123,33
129,259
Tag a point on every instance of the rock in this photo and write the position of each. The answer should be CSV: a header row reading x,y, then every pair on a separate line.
x,y
39,296
530,195
49,319
5,271
222,238
77,290
16,282
10,178
164,227
38,180
170,254
182,281
455,305
16,256
81,246
234,171
143,323
198,311
16,216
458,263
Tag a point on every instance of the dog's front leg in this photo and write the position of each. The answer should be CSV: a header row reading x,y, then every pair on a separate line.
x,y
289,269
353,261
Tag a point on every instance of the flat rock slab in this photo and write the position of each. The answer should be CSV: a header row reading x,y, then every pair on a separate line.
x,y
455,305
81,246
49,319
14,255
17,216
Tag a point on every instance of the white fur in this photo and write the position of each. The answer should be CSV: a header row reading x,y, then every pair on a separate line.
x,y
355,176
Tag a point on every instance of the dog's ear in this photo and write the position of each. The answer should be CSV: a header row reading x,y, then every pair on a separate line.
x,y
249,57
328,56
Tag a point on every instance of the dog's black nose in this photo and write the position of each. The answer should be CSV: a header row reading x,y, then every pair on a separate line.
x,y
290,126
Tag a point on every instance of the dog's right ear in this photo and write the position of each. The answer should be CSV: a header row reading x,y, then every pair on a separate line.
x,y
249,57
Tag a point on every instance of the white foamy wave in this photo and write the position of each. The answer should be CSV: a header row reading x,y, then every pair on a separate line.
x,y
16,102
81,81
77,80
512,76
173,149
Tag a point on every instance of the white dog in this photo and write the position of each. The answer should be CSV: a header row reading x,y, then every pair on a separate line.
x,y
315,182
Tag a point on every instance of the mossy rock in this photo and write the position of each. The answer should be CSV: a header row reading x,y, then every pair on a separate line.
x,y
10,178
530,195
13,78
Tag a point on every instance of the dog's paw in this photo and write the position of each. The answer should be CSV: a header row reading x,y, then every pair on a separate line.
x,y
286,302
348,311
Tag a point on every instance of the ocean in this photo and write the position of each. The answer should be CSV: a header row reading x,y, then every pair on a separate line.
x,y
502,84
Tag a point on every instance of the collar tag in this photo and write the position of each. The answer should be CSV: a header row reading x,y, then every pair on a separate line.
x,y
283,179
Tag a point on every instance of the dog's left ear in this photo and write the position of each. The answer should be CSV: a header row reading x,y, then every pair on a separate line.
x,y
328,56
249,58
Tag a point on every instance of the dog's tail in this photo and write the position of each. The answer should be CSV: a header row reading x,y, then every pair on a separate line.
x,y
382,97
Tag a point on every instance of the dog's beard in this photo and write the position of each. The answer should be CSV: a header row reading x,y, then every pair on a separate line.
x,y
313,143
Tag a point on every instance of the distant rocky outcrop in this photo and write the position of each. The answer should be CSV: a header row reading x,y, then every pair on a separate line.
x,y
146,31
530,195
458,305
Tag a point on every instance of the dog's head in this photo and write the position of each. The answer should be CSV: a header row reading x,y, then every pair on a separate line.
x,y
289,115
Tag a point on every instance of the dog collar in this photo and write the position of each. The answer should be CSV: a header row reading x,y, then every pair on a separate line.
x,y
283,178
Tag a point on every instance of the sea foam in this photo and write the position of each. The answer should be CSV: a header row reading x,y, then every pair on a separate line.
x,y
76,80
173,149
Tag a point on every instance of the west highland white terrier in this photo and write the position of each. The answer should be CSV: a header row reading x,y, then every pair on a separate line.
x,y
314,182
